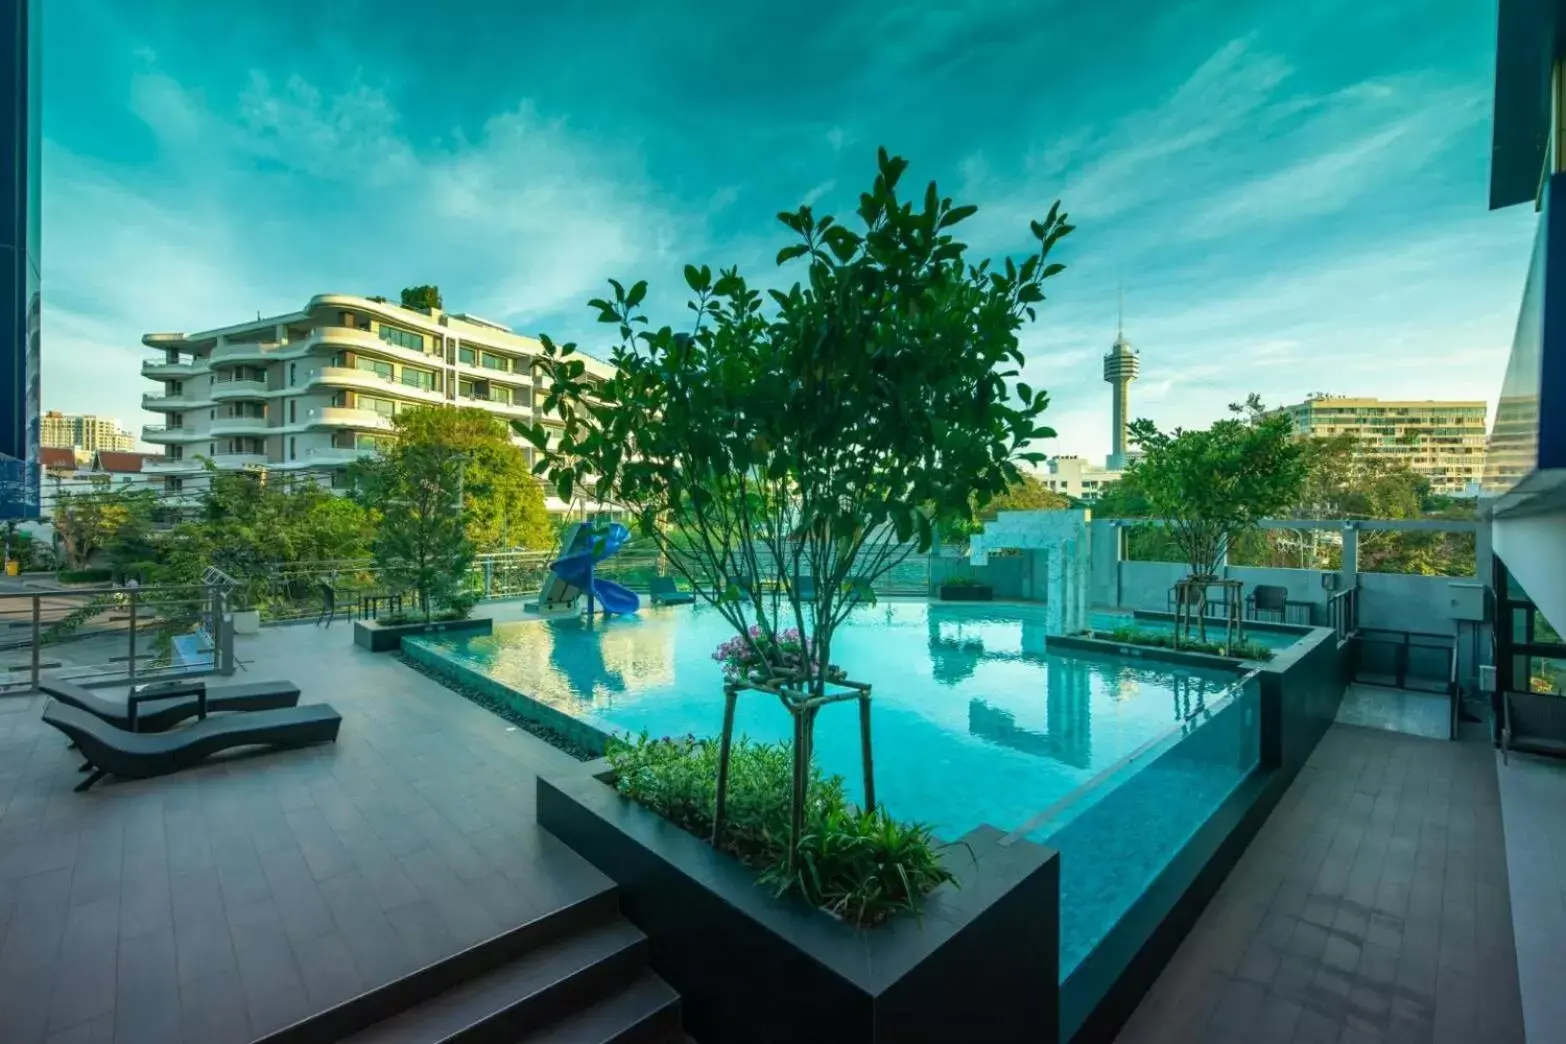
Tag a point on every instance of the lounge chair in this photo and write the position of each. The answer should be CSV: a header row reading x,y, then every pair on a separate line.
x,y
112,751
176,701
663,592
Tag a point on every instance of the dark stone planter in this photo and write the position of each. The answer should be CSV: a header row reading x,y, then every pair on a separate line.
x,y
378,637
981,963
967,593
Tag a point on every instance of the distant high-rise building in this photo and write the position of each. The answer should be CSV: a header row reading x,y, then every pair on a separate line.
x,y
84,431
1121,366
1443,441
21,91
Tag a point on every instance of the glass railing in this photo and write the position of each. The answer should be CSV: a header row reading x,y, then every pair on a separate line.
x,y
1120,830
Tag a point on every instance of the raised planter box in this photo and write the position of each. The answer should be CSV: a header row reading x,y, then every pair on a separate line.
x,y
981,963
967,593
378,637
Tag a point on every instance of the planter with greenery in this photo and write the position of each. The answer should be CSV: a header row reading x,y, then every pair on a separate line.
x,y
783,453
1240,650
965,589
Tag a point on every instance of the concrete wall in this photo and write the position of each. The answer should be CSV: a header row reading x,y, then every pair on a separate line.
x,y
1011,576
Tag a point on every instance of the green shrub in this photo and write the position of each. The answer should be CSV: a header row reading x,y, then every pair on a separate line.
x,y
1242,650
84,576
861,866
963,581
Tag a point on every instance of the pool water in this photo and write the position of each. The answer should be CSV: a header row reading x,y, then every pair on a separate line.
x,y
974,722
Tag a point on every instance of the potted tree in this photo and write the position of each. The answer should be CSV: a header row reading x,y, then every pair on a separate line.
x,y
784,452
1210,487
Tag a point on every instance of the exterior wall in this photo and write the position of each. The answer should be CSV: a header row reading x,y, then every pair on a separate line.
x,y
313,391
21,92
1443,441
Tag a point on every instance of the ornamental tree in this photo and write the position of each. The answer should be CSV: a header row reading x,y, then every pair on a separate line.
x,y
421,543
1213,485
785,450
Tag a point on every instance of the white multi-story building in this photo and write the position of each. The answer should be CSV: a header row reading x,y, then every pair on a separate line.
x,y
312,391
1078,479
83,431
1443,441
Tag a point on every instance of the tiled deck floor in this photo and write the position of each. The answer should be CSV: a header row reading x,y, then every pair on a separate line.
x,y
1373,906
221,903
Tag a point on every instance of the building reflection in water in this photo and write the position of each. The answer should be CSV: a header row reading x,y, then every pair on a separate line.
x,y
1066,731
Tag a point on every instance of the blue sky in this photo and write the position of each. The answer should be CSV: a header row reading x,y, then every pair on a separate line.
x,y
1293,195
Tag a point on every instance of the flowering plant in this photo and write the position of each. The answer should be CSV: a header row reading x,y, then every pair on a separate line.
x,y
761,655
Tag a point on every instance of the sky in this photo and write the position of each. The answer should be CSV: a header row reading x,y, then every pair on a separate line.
x,y
1292,197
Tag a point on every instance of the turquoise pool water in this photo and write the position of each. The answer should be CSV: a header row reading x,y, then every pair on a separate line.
x,y
974,722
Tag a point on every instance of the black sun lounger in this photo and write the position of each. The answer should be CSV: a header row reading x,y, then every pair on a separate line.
x,y
174,701
136,755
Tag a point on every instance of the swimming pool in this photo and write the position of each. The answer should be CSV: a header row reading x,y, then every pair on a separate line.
x,y
974,722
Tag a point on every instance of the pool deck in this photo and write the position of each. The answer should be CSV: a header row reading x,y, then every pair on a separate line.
x,y
1374,905
227,901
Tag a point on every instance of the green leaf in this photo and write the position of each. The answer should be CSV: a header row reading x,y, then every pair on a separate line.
x,y
788,253
956,214
694,280
638,292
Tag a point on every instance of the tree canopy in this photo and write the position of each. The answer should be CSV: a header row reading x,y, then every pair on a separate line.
x,y
504,504
421,543
423,298
1211,486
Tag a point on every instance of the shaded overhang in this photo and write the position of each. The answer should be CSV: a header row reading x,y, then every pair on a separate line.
x,y
1528,39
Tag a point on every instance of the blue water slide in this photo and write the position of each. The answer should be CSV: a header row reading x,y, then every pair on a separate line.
x,y
576,569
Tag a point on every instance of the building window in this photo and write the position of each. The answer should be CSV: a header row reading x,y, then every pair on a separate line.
x,y
293,411
467,356
291,374
418,378
491,361
467,388
384,370
292,447
384,407
402,338
173,484
497,393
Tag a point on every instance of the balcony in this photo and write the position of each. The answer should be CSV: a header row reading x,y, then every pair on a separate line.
x,y
224,390
257,352
171,466
159,369
241,426
163,433
368,380
347,417
336,337
239,461
334,456
171,403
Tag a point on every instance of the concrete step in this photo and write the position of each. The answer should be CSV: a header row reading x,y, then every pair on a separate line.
x,y
645,1011
539,988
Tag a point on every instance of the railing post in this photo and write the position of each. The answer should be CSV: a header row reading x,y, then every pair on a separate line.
x,y
37,636
131,661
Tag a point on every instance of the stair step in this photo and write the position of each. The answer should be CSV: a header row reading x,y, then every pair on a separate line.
x,y
645,1011
531,991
